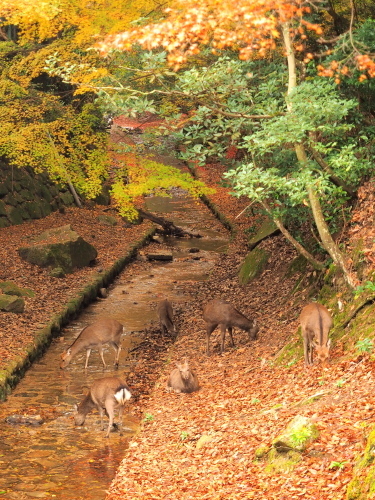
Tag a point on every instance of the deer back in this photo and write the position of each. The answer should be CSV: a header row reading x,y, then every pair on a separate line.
x,y
106,392
219,312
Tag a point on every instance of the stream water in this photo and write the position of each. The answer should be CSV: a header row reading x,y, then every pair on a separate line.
x,y
56,459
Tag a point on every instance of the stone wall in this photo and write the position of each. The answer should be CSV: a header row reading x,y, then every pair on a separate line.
x,y
25,195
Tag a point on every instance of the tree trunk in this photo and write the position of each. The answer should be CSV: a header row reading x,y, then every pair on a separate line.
x,y
167,225
300,249
327,241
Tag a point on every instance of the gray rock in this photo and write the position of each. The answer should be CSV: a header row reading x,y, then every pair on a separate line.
x,y
59,248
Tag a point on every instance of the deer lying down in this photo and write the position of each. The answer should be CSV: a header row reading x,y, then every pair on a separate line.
x,y
103,331
315,324
165,313
218,312
183,379
106,394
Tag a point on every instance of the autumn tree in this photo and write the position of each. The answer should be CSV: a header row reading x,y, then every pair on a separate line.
x,y
52,124
300,148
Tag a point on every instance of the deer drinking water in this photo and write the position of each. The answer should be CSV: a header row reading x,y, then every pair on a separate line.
x,y
218,312
103,331
165,313
106,394
183,379
315,322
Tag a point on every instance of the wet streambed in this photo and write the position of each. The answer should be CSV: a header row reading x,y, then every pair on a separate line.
x,y
61,461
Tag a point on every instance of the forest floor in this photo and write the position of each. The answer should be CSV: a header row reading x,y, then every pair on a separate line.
x,y
202,445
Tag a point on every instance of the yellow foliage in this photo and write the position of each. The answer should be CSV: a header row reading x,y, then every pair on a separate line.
x,y
140,176
42,20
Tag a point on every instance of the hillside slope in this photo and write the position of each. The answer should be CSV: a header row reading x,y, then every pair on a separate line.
x,y
202,445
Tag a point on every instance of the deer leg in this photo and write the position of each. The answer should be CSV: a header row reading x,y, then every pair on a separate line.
x,y
120,414
100,347
88,352
210,329
223,330
110,412
101,413
230,331
117,348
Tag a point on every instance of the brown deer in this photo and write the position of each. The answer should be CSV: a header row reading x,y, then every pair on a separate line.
x,y
165,313
183,379
315,322
103,331
218,312
106,394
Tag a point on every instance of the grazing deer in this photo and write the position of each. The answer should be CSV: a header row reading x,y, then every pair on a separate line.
x,y
106,394
315,324
165,313
182,379
103,331
218,312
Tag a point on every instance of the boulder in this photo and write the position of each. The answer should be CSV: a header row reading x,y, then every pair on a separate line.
x,y
11,303
297,435
59,248
253,265
286,450
107,220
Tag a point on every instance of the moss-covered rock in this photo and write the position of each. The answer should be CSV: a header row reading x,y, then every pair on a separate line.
x,y
362,486
298,434
57,272
253,265
59,248
262,452
4,222
278,462
11,303
268,228
16,215
10,288
286,450
2,209
107,220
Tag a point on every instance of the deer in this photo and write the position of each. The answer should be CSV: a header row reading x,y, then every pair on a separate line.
x,y
182,379
219,312
106,395
103,331
315,323
165,313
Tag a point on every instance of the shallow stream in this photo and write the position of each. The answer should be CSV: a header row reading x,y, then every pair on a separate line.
x,y
61,461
